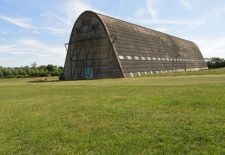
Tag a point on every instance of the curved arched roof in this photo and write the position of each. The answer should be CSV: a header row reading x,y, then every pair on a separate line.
x,y
133,40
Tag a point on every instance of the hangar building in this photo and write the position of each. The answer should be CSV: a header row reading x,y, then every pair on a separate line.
x,y
104,47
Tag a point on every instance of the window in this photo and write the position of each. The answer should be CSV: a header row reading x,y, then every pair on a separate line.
x,y
139,74
136,58
159,59
143,58
154,58
131,74
121,57
129,57
149,58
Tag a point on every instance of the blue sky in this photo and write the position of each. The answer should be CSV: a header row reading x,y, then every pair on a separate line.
x,y
36,30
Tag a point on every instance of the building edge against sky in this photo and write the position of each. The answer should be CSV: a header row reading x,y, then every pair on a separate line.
x,y
104,47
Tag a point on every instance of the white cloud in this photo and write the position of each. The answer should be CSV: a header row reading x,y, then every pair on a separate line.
x,y
21,22
161,29
56,20
151,8
121,7
186,4
219,11
72,9
211,47
32,47
56,30
167,21
140,12
63,16
24,52
4,33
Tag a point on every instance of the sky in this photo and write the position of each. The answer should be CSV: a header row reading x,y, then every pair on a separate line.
x,y
36,30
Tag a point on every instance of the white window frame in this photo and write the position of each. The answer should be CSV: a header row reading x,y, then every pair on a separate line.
x,y
121,57
136,57
129,57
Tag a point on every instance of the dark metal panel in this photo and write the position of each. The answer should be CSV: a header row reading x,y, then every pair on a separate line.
x,y
89,52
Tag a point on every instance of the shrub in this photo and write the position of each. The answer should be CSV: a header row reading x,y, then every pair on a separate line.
x,y
33,71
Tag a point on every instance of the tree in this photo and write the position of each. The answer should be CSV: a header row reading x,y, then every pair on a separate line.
x,y
15,72
55,72
34,65
216,62
22,72
7,72
43,72
50,67
34,73
1,74
42,67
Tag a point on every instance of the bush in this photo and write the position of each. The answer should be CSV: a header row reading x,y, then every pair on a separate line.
x,y
7,72
33,71
42,72
22,72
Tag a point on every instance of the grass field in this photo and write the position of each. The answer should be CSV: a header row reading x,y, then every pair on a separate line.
x,y
149,115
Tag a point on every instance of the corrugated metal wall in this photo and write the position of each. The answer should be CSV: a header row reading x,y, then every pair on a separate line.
x,y
143,51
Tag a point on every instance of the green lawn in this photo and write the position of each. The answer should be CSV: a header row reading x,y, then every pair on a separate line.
x,y
147,115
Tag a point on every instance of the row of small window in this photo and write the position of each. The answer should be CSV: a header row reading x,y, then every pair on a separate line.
x,y
165,71
154,58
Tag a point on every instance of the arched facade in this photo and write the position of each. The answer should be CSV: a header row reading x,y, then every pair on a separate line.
x,y
104,47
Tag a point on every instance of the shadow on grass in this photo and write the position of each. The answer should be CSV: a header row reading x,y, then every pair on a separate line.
x,y
44,81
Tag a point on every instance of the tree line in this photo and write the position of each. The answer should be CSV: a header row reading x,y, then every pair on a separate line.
x,y
215,63
31,71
